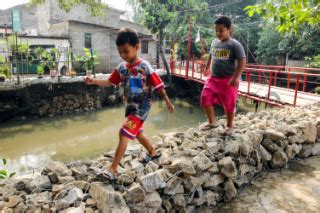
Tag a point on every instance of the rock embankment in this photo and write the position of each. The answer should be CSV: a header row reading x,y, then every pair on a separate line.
x,y
197,169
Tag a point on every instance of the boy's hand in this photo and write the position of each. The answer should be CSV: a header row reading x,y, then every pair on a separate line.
x,y
234,82
170,107
88,80
206,73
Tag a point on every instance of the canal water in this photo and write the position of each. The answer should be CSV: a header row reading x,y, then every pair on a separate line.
x,y
29,145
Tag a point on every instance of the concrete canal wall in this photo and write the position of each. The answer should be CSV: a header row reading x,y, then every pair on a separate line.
x,y
48,97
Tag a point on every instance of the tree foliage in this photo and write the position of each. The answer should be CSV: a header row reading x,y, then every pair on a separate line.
x,y
95,7
291,16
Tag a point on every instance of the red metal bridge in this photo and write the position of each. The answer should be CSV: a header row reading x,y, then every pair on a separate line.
x,y
275,85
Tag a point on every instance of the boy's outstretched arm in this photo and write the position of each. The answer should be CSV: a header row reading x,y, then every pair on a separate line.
x,y
167,100
99,82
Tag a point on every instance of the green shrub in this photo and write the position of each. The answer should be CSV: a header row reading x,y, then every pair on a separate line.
x,y
4,174
40,70
317,90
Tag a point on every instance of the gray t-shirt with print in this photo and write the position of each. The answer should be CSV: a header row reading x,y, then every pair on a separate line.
x,y
224,55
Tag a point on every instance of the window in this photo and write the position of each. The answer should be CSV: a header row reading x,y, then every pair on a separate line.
x,y
144,47
87,40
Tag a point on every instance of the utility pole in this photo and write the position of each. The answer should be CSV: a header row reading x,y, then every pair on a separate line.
x,y
189,46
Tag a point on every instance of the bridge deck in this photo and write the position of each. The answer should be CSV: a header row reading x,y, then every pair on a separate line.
x,y
260,91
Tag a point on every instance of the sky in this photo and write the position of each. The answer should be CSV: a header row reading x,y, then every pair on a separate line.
x,y
119,4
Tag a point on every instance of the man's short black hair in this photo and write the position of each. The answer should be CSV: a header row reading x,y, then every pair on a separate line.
x,y
127,35
224,20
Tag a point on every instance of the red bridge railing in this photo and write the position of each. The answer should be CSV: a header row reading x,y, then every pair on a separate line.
x,y
296,79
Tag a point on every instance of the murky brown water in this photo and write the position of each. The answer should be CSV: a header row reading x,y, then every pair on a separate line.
x,y
30,145
296,189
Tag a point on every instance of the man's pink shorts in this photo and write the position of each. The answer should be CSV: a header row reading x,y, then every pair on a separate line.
x,y
218,91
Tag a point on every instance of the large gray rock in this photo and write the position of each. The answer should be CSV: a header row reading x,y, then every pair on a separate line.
x,y
135,193
232,148
310,132
230,190
245,168
274,134
57,167
137,166
316,149
39,183
107,199
173,185
14,200
306,151
297,139
39,198
228,167
215,169
201,162
213,181
152,200
74,195
133,150
125,179
80,209
265,155
208,199
271,146
279,160
296,148
246,147
179,200
212,147
255,136
83,185
151,166
152,182
182,165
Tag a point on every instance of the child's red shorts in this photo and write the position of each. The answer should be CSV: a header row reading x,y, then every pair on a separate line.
x,y
218,91
132,127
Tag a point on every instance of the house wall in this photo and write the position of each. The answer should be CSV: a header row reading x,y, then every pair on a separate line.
x,y
28,17
100,43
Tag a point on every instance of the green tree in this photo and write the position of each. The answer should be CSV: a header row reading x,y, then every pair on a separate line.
x,y
269,45
291,16
156,18
95,7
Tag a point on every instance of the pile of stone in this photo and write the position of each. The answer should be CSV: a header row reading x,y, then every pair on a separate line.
x,y
197,169
69,103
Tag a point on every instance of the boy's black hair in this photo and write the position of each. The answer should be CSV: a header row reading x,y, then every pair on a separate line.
x,y
224,20
127,35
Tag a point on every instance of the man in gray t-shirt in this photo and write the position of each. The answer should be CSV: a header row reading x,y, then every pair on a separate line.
x,y
224,55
